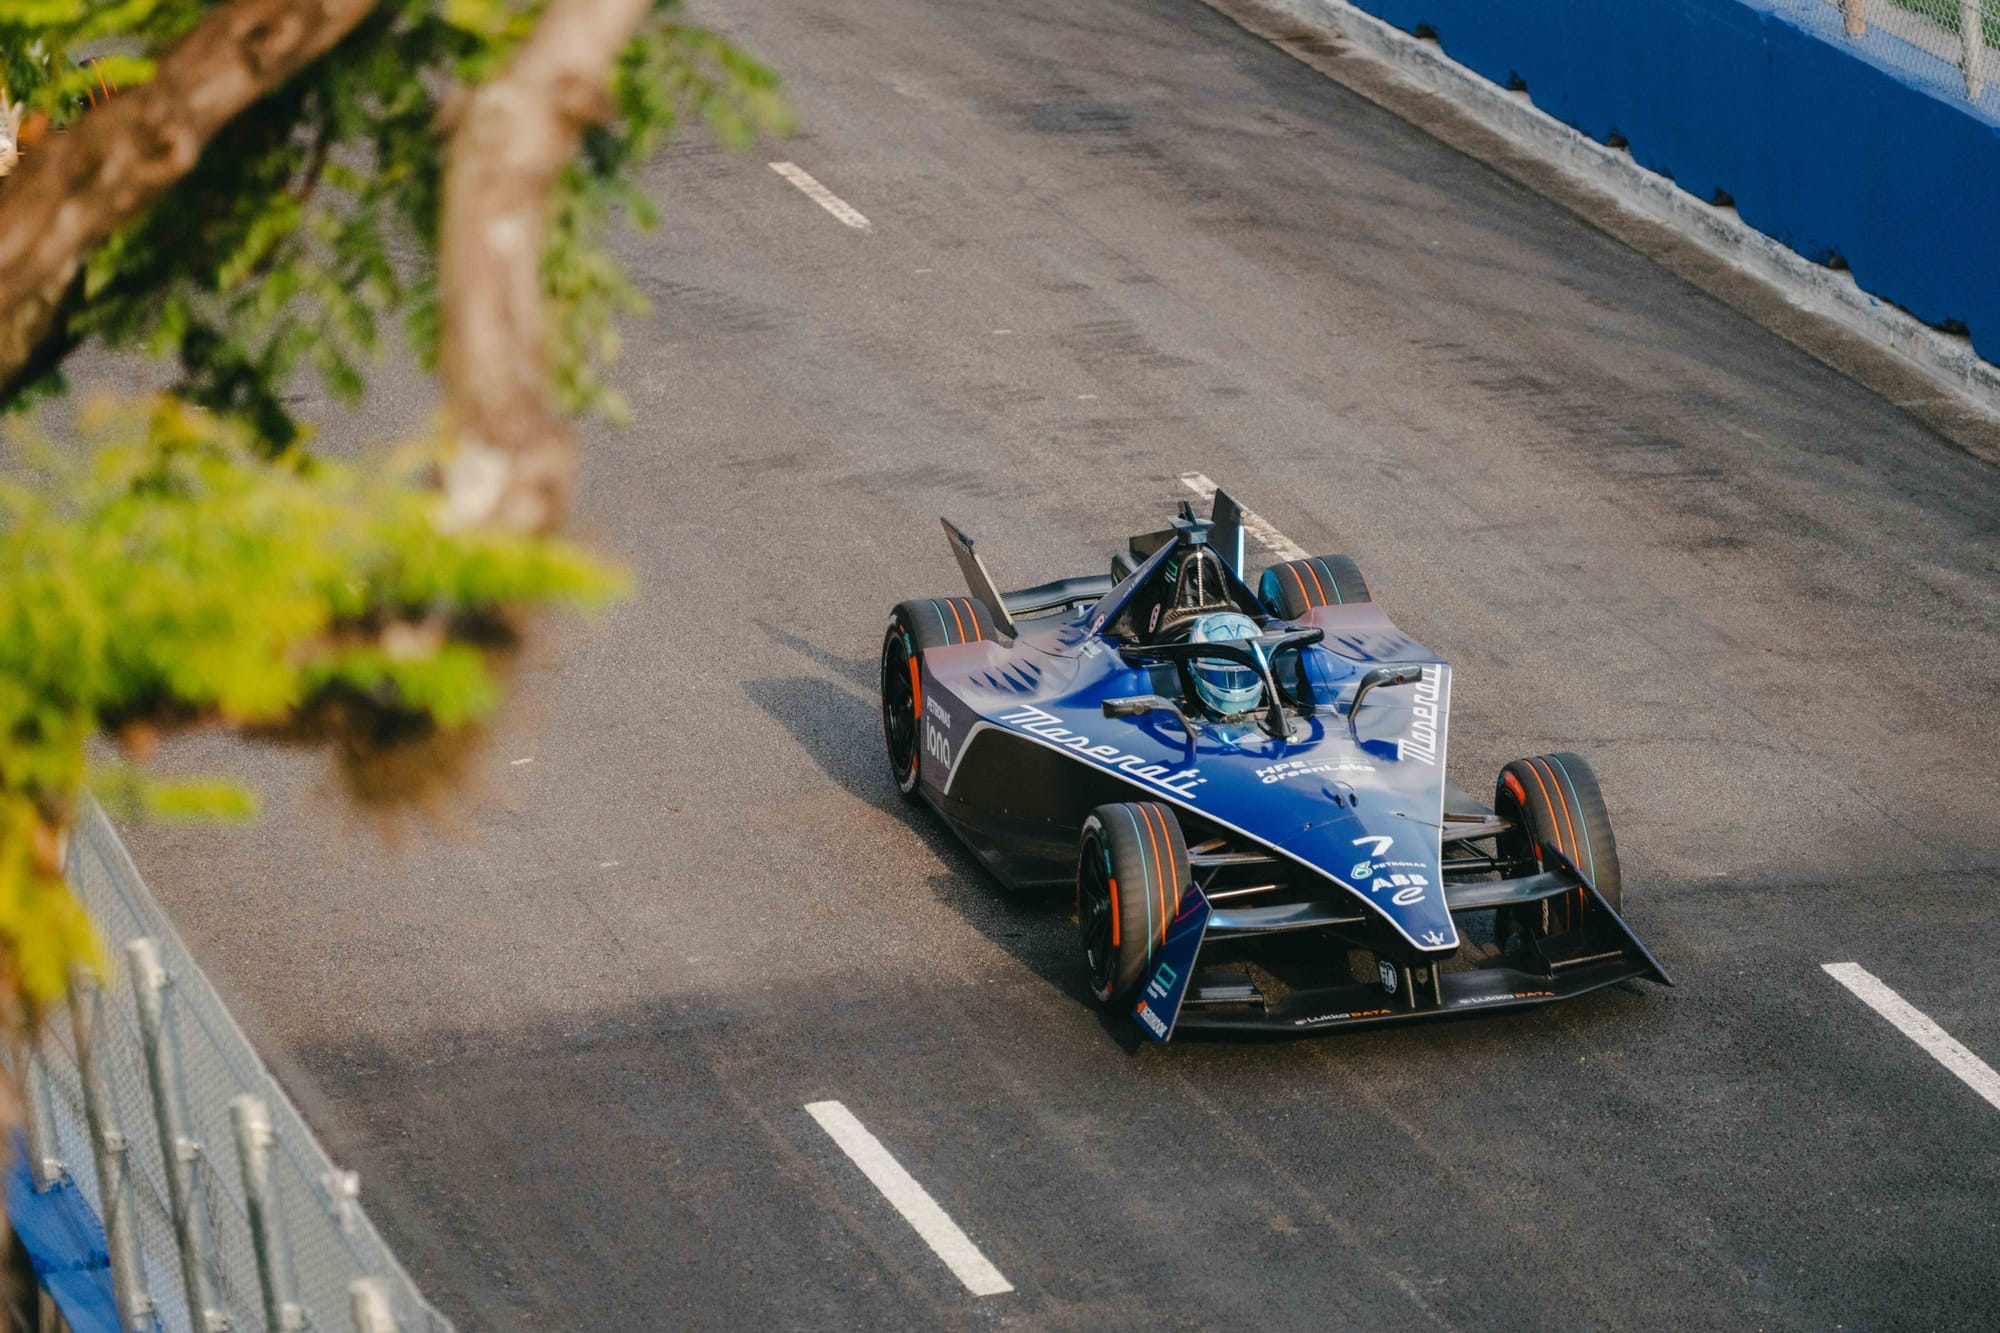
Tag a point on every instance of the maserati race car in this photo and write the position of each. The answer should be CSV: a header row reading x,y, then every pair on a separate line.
x,y
1247,790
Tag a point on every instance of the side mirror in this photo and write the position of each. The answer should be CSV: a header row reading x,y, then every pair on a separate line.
x,y
1381,675
1141,704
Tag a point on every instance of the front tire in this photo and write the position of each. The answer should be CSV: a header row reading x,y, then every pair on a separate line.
x,y
1553,801
1130,874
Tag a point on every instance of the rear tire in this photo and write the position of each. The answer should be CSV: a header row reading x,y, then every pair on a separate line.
x,y
933,622
1130,874
1297,586
1553,801
902,704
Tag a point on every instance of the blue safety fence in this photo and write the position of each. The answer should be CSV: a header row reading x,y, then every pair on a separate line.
x,y
165,1168
1873,151
65,1245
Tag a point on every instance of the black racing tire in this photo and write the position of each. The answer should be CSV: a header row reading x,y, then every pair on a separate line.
x,y
1297,586
931,622
902,703
1553,801
939,622
1130,874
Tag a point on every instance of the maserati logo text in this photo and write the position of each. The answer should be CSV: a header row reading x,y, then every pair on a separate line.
x,y
1049,727
1422,742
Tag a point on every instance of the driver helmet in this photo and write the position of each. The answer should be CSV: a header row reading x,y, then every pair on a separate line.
x,y
1226,687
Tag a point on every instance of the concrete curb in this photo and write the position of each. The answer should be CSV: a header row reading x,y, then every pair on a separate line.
x,y
1942,358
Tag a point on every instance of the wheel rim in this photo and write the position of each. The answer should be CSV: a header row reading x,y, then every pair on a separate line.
x,y
1093,916
899,706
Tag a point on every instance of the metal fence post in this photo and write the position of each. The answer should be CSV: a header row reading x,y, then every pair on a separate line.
x,y
107,1148
177,1148
40,1114
372,1311
1857,18
251,1120
1972,42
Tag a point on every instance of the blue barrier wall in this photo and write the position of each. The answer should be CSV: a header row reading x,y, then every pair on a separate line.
x,y
1859,149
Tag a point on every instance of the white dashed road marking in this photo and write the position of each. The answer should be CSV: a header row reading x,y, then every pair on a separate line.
x,y
910,1199
822,196
1274,541
1917,1026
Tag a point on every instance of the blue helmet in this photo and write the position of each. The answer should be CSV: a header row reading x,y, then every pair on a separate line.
x,y
1224,686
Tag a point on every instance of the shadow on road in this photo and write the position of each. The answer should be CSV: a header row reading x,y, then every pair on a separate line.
x,y
861,672
843,734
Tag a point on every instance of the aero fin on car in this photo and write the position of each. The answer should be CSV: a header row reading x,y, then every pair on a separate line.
x,y
978,581
1610,916
1160,999
1225,530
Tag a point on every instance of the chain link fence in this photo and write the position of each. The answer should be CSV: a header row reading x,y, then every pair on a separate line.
x,y
220,1208
1954,45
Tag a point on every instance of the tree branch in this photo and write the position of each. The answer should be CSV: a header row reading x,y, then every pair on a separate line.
x,y
514,453
76,189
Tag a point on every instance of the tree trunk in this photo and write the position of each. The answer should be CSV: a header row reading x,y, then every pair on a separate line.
x,y
75,189
514,454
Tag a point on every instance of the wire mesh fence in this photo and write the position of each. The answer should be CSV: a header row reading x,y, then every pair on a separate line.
x,y
1951,45
220,1207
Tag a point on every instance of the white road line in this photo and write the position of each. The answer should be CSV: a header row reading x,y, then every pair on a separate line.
x,y
910,1199
1914,1024
1274,541
822,196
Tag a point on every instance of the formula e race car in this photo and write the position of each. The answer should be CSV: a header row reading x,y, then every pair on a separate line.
x,y
1247,790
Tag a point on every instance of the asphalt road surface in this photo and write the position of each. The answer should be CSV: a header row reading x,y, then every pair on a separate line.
x,y
569,1041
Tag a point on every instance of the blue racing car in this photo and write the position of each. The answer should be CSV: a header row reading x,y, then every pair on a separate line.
x,y
1246,788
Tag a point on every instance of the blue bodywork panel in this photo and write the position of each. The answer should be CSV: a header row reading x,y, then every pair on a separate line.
x,y
1365,813
1326,810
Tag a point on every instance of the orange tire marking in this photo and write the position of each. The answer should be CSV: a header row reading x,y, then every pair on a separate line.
x,y
1557,829
1575,843
1513,784
955,620
1323,599
1304,596
973,616
917,708
1562,802
1114,911
1159,866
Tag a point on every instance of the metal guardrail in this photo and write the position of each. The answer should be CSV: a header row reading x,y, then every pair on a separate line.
x,y
220,1208
1954,34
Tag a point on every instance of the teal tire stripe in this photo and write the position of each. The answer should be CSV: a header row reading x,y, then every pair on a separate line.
x,y
1331,581
1582,822
1145,874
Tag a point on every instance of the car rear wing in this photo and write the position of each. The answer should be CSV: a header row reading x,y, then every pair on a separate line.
x,y
978,581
